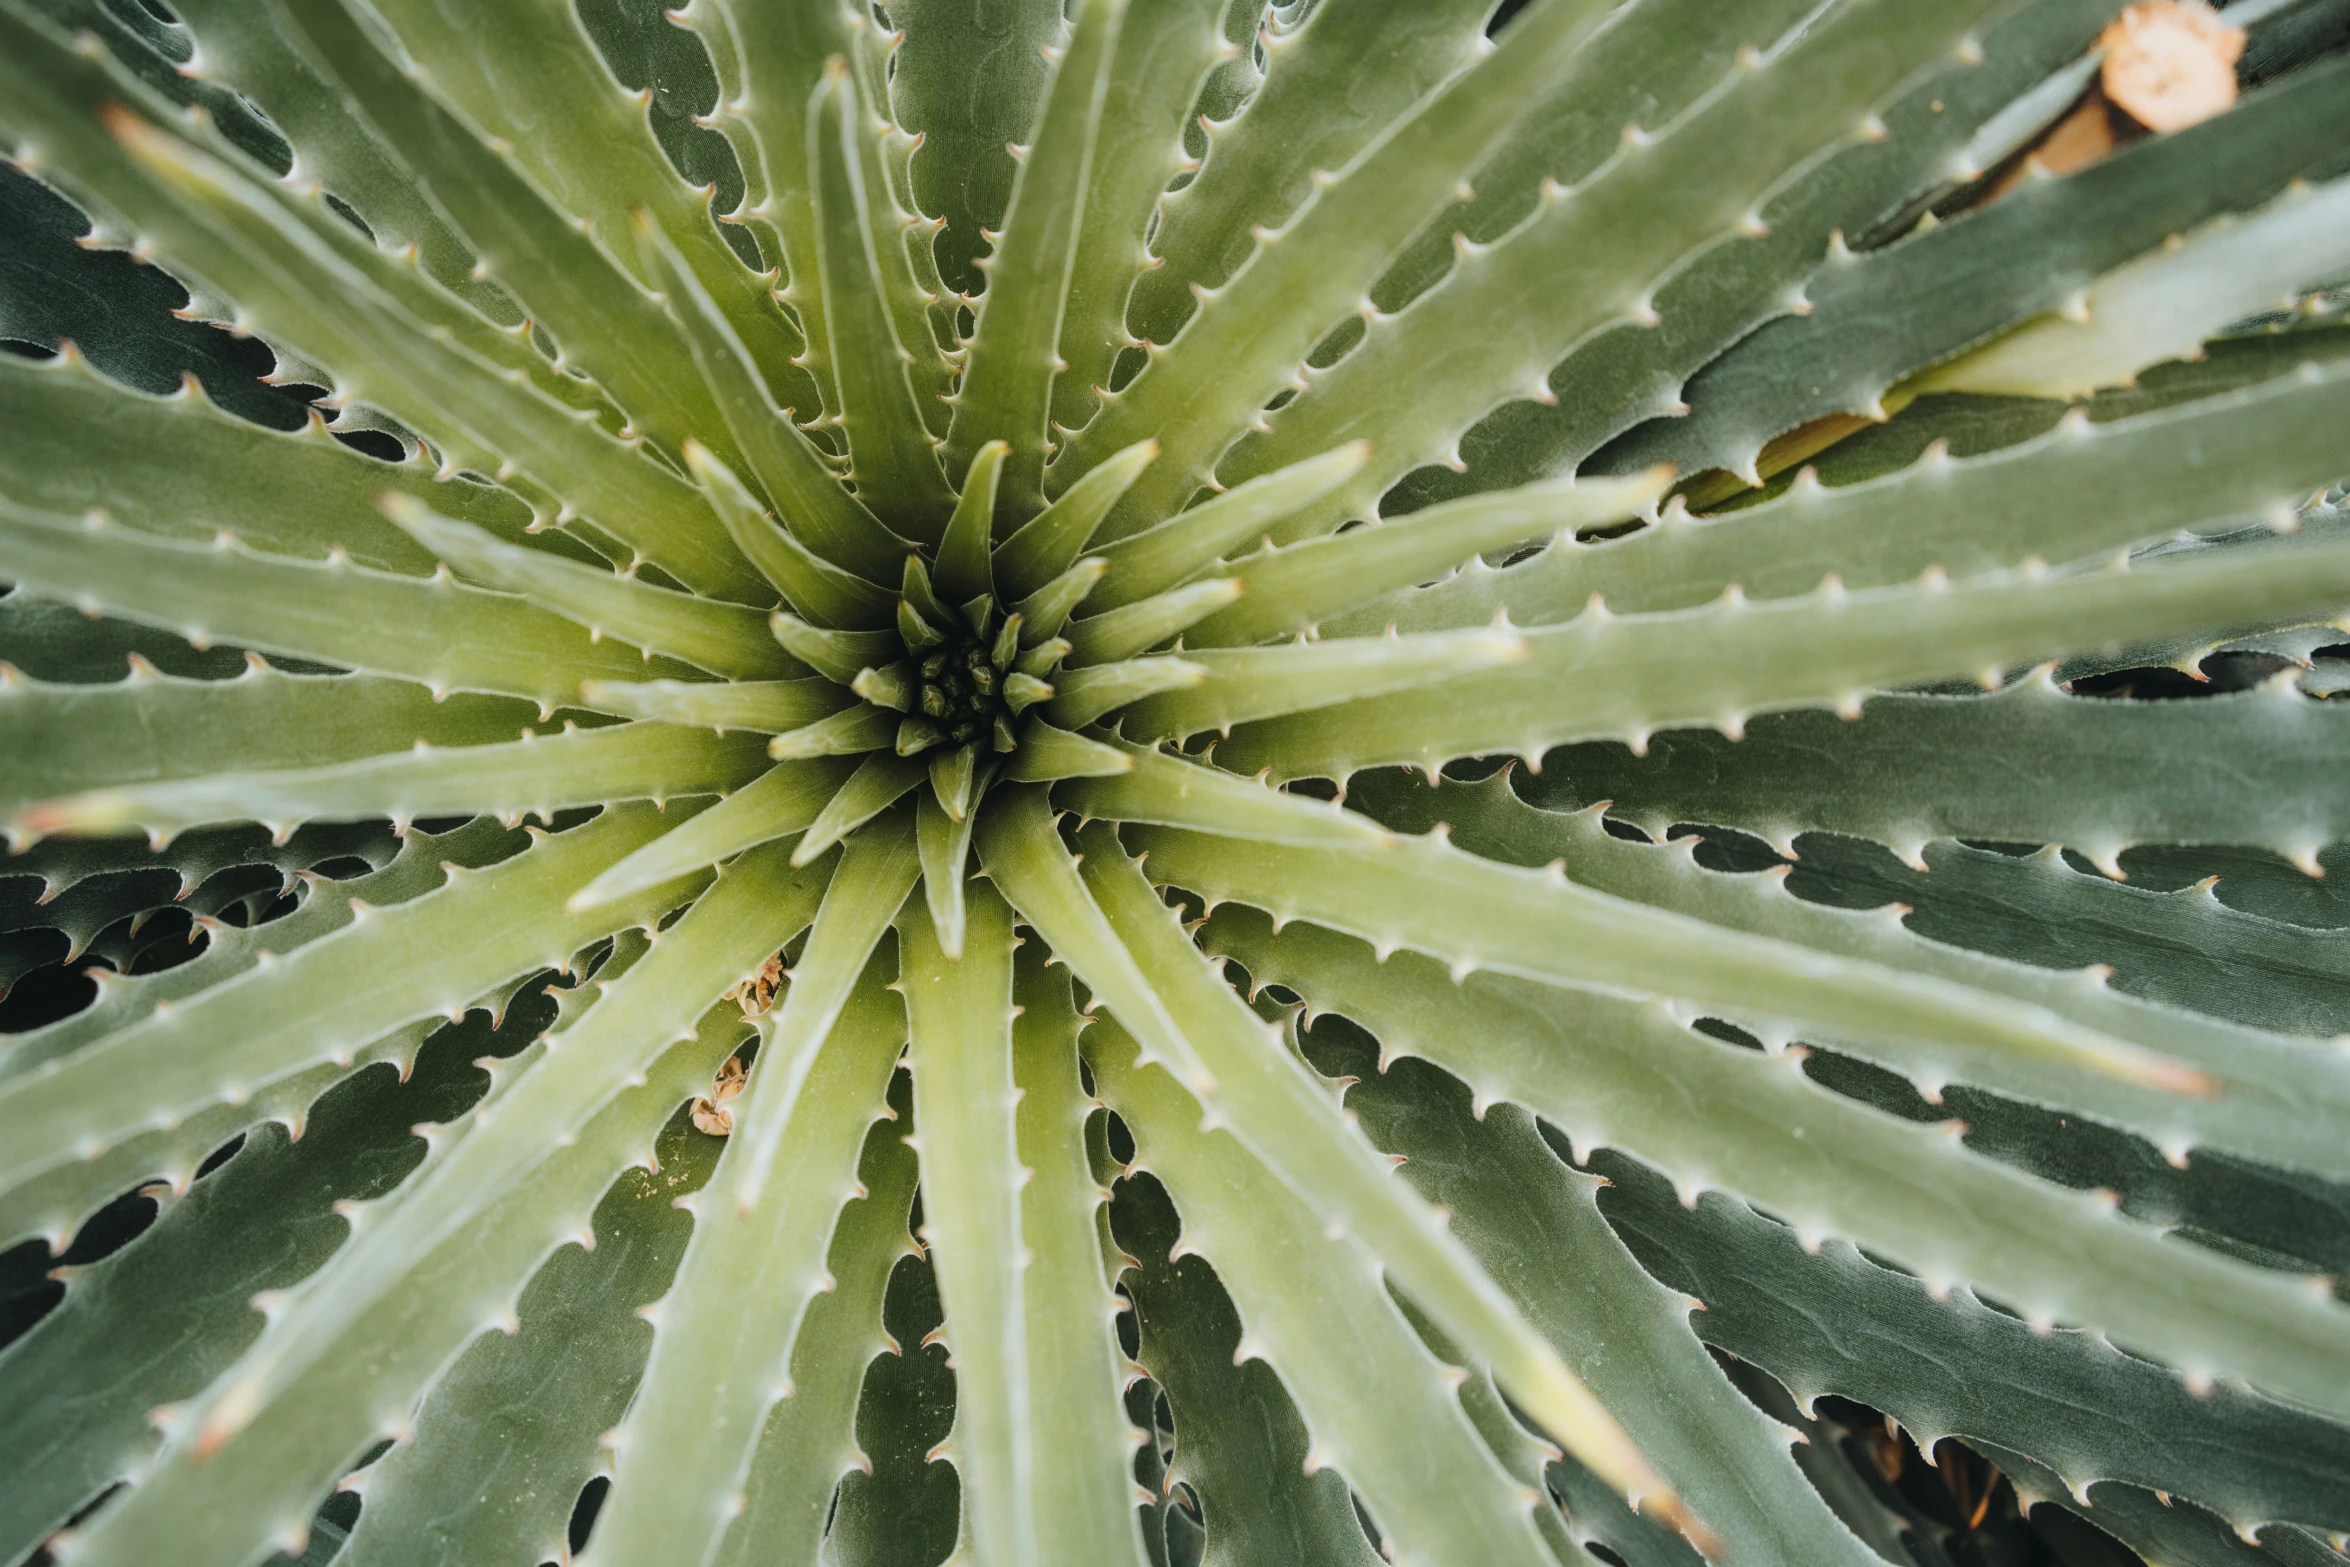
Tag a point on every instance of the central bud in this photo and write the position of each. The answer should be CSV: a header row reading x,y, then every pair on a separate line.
x,y
961,690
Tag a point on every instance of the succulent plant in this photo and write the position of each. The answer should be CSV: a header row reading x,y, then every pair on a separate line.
x,y
1299,680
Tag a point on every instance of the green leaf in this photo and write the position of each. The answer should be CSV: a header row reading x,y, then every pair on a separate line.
x,y
1717,1116
2081,489
1474,914
151,727
242,49
1162,557
879,782
1601,300
1046,753
1020,848
1874,321
1296,588
2272,1098
510,1432
327,1001
1537,1228
1164,53
1277,1109
1122,633
968,82
606,321
261,1221
2185,949
1235,355
1247,684
898,476
779,802
802,1456
525,67
849,732
1260,1502
839,656
1175,791
303,276
1046,546
1959,1367
723,1386
783,50
828,594
2025,765
1330,90
777,452
964,570
534,775
1045,613
429,630
2164,305
945,843
762,706
1076,1370
1602,675
1377,1405
182,467
904,1512
431,1304
720,637
1082,695
1006,391
961,1015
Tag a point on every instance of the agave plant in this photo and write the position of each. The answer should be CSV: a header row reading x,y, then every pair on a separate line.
x,y
1034,678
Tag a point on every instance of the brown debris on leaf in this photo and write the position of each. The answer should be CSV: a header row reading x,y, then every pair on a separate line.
x,y
2170,64
757,993
708,1111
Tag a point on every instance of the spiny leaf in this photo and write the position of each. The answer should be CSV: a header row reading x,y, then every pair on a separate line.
x,y
879,782
2089,1411
1716,665
779,802
720,1378
1276,1109
1082,695
1176,792
961,1016
1582,269
850,732
1295,588
1046,753
1244,684
327,1000
897,468
533,775
1159,558
722,638
963,554
829,594
2026,764
763,706
809,1447
1752,1123
777,451
945,844
1122,633
1049,543
1006,391
2273,1098
150,727
432,631
1351,1361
